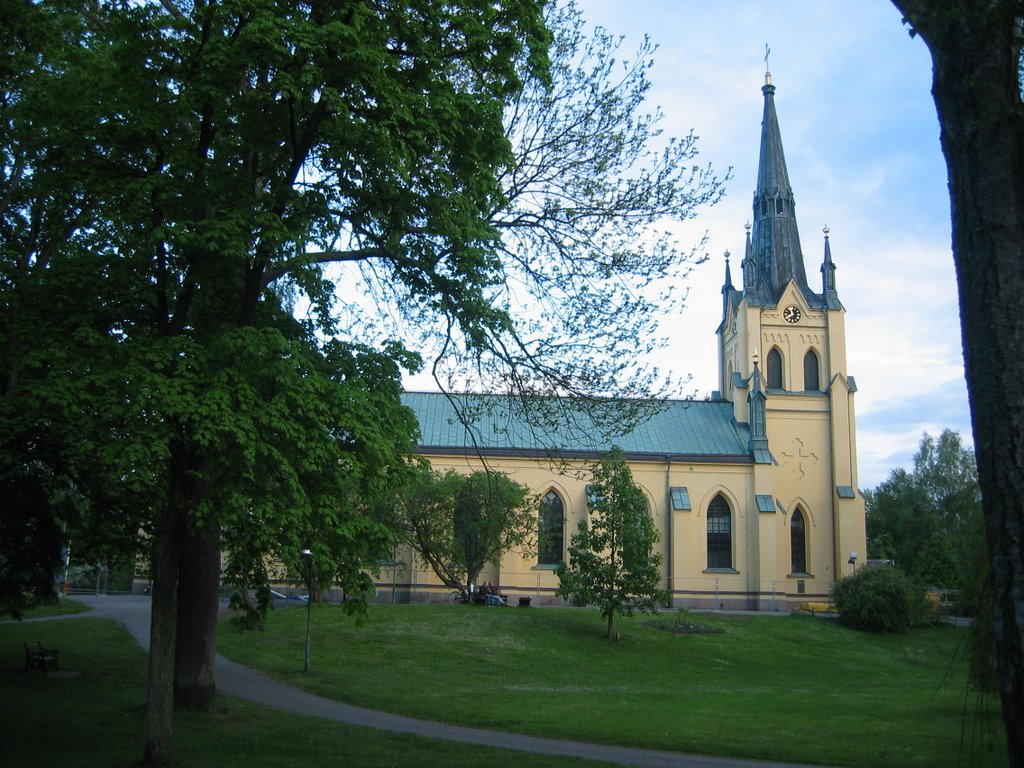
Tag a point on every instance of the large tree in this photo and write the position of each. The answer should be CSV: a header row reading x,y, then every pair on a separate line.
x,y
223,139
976,82
612,563
915,517
182,180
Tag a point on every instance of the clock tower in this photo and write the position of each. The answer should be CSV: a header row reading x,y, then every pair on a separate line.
x,y
782,363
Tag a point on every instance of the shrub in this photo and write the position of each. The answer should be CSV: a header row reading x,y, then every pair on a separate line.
x,y
877,600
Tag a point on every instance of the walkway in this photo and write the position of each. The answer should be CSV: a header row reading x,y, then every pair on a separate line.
x,y
248,684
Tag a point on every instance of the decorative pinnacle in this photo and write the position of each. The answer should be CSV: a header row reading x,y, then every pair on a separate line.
x,y
826,230
757,357
767,72
747,227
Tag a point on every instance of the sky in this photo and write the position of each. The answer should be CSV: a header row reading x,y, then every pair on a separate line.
x,y
861,139
853,98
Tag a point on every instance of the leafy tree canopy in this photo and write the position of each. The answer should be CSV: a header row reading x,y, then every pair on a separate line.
x,y
459,523
612,563
917,517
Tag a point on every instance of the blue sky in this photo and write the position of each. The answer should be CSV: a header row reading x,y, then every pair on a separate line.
x,y
862,146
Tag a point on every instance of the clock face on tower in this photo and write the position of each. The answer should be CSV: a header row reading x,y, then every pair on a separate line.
x,y
791,314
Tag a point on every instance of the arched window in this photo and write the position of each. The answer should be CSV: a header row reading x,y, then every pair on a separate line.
x,y
719,534
797,543
812,380
551,530
774,369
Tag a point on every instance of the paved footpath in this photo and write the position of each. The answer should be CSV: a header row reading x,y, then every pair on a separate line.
x,y
245,683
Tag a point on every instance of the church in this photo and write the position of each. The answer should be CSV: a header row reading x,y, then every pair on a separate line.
x,y
753,491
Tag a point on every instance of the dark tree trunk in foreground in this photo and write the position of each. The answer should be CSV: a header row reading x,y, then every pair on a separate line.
x,y
198,606
168,547
163,618
975,50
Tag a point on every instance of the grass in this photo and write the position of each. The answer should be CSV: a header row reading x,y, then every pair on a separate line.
x,y
62,607
92,714
797,688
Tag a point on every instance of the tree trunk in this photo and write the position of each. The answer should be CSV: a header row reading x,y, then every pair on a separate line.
x,y
163,618
198,608
976,87
168,544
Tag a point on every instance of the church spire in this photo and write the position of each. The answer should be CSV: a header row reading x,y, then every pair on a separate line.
x,y
757,417
828,277
775,240
749,276
727,289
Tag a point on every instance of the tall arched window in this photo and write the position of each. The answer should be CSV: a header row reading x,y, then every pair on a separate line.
x,y
812,382
797,544
551,530
773,370
719,534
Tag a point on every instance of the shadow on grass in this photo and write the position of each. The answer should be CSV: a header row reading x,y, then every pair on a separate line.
x,y
92,715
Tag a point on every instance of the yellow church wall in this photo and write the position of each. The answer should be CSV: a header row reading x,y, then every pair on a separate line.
x,y
837,335
759,541
811,439
690,581
799,435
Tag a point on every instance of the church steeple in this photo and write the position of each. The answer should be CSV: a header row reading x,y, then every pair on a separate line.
x,y
828,277
749,277
727,289
777,257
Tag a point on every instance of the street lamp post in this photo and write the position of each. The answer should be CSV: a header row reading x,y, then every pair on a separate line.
x,y
307,557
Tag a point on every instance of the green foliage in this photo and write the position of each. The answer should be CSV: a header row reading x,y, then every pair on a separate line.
x,y
878,600
333,445
459,523
923,520
31,539
612,563
937,563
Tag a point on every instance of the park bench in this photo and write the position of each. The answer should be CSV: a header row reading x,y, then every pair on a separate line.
x,y
41,657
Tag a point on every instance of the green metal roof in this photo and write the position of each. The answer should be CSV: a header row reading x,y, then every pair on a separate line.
x,y
682,429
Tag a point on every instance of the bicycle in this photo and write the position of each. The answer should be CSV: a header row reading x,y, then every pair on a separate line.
x,y
458,597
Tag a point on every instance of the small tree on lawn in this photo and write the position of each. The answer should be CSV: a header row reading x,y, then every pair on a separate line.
x,y
611,560
459,523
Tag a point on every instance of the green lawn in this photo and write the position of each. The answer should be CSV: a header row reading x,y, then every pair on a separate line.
x,y
794,688
63,607
92,714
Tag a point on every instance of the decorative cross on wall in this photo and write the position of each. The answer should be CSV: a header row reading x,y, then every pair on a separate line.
x,y
800,459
